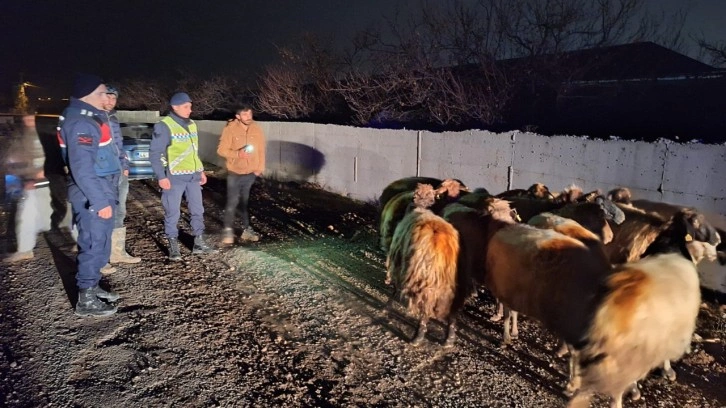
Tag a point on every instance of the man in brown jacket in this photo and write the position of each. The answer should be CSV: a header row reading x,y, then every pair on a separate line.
x,y
242,144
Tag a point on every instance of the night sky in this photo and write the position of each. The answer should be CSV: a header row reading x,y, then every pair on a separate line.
x,y
49,40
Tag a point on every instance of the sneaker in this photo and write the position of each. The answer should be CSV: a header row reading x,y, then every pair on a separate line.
x,y
228,236
19,256
249,235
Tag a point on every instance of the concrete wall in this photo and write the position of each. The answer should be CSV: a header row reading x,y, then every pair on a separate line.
x,y
360,162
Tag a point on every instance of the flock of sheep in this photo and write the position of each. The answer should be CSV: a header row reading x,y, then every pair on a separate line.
x,y
613,278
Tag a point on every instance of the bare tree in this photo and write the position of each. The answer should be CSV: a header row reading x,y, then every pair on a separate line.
x,y
143,94
715,51
217,92
295,87
208,95
283,94
461,61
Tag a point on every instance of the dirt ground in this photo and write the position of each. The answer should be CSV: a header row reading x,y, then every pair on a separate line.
x,y
293,320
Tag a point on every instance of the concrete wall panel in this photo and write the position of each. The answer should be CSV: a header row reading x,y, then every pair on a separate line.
x,y
560,161
478,158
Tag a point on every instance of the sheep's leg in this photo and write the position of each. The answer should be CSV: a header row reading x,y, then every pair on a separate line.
x,y
668,372
617,401
515,328
634,391
500,312
507,320
420,332
389,304
580,400
564,348
450,334
574,371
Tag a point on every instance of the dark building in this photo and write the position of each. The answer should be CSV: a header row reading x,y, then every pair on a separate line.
x,y
639,91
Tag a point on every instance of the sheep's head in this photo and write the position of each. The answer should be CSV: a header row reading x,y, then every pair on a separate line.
x,y
451,187
570,195
539,190
701,250
499,210
620,195
612,212
424,196
696,227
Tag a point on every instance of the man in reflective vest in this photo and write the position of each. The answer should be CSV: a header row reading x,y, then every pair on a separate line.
x,y
174,155
94,167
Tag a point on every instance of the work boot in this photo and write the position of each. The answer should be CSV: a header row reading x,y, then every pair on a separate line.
x,y
201,246
102,294
108,269
228,236
249,235
19,256
90,305
118,248
174,254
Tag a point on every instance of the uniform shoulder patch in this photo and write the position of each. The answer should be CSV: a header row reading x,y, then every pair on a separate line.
x,y
85,139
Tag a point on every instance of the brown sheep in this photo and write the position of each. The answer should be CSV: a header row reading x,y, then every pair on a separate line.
x,y
421,265
644,233
664,210
538,272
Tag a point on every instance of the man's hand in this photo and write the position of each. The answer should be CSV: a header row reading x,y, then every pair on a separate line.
x,y
126,172
204,179
165,184
105,212
243,154
258,173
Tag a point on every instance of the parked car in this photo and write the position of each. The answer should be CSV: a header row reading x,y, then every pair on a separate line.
x,y
137,139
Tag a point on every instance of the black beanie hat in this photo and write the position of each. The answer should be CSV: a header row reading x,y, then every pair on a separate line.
x,y
84,84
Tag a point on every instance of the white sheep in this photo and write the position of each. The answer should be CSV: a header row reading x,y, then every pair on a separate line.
x,y
638,325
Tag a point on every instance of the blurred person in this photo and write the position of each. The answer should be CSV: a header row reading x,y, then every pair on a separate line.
x,y
118,237
94,168
24,162
242,145
55,171
174,155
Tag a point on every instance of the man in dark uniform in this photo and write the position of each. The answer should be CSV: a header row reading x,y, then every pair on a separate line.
x,y
94,168
174,155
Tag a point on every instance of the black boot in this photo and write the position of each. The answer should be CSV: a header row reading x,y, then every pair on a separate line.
x,y
102,294
89,304
174,254
201,246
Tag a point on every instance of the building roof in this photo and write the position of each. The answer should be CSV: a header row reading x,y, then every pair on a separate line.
x,y
643,60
